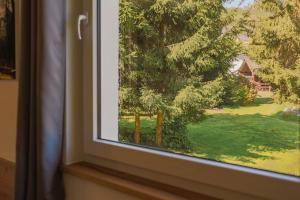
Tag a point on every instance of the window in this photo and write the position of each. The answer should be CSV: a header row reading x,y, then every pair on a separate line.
x,y
189,83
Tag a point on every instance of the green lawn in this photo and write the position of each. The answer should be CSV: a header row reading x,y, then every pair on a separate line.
x,y
257,135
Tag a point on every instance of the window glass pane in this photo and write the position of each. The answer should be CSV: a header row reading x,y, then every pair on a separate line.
x,y
211,79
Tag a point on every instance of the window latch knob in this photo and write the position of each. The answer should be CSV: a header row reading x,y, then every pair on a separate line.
x,y
81,19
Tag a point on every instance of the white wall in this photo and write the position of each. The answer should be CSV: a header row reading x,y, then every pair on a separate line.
x,y
8,105
8,119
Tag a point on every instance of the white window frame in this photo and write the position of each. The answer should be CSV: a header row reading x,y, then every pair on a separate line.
x,y
237,179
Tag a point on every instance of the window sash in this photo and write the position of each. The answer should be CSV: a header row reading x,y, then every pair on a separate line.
x,y
242,179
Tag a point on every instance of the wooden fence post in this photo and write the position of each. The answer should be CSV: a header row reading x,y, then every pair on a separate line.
x,y
159,123
137,129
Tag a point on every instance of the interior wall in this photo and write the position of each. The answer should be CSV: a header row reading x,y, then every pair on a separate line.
x,y
8,119
8,104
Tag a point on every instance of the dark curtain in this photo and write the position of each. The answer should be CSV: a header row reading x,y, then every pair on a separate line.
x,y
41,101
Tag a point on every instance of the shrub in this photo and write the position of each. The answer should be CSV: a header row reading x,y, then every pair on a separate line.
x,y
227,90
126,132
237,90
191,103
283,97
126,136
213,93
151,101
148,137
175,134
128,100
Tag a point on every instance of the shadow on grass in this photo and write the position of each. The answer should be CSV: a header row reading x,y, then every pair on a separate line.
x,y
262,100
257,102
243,137
287,116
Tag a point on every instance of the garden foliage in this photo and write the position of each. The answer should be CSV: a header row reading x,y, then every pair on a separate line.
x,y
175,53
275,32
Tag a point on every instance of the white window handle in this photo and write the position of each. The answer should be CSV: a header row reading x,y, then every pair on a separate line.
x,y
79,21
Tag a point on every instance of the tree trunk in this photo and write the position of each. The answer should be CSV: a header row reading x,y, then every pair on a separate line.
x,y
137,129
159,123
160,114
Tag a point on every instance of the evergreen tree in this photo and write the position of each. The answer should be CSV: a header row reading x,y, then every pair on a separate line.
x,y
130,19
275,33
167,45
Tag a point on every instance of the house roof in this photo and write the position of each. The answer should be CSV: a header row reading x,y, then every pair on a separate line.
x,y
242,61
251,63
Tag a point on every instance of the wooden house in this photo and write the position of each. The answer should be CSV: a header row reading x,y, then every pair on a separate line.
x,y
246,67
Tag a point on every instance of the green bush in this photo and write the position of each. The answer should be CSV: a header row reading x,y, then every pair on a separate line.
x,y
148,136
126,136
280,97
175,134
126,132
191,103
213,93
237,90
227,90
151,101
128,101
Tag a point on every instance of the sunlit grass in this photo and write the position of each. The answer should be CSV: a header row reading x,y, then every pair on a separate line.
x,y
259,135
287,162
252,140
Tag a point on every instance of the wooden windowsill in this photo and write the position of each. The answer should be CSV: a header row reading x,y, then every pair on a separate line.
x,y
133,185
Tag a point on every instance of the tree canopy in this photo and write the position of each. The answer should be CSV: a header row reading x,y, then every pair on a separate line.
x,y
275,33
167,45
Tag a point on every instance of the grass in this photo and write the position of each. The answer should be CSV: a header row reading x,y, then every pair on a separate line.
x,y
257,135
126,127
